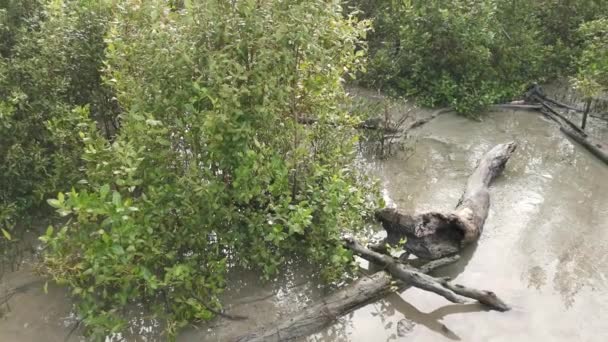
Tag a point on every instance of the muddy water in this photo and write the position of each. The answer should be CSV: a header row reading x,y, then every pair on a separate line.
x,y
544,250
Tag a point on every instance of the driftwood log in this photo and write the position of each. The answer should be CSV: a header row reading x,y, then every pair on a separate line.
x,y
433,235
450,231
321,314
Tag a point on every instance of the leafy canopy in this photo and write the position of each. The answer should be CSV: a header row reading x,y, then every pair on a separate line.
x,y
592,77
211,166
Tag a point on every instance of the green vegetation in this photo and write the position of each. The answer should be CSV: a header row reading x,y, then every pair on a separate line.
x,y
469,54
207,164
47,68
454,53
592,77
167,135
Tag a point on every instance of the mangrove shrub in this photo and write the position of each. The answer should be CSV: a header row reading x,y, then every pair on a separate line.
x,y
210,166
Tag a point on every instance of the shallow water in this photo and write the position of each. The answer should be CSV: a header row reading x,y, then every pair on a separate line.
x,y
544,250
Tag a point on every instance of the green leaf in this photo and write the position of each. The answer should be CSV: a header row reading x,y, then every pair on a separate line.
x,y
118,250
104,190
55,203
116,198
6,234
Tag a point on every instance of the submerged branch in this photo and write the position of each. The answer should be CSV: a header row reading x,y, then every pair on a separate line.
x,y
411,276
319,315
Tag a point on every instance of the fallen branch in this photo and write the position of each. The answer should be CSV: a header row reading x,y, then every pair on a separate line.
x,y
563,105
535,93
420,122
319,315
595,147
413,277
447,230
563,119
516,106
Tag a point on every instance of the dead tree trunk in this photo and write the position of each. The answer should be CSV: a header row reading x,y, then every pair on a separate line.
x,y
433,235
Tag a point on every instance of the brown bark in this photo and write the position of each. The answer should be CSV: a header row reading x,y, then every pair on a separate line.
x,y
411,276
433,235
596,148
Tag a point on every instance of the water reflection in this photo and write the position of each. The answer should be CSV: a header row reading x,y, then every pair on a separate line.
x,y
431,320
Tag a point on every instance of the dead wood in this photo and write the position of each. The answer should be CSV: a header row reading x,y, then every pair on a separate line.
x,y
596,148
411,276
321,314
449,231
433,235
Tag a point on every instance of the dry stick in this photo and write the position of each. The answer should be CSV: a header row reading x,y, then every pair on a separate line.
x,y
220,313
536,90
516,106
392,127
411,276
420,122
587,108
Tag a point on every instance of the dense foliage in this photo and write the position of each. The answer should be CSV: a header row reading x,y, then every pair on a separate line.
x,y
210,165
471,53
47,68
560,21
592,77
